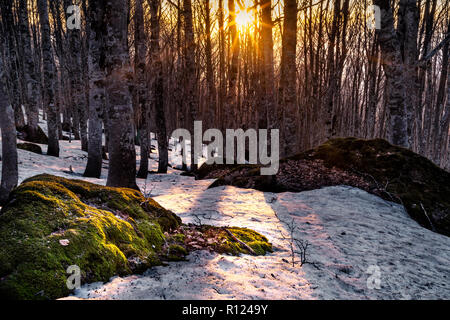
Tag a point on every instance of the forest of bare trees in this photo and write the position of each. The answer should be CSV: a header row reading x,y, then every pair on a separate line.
x,y
224,149
312,68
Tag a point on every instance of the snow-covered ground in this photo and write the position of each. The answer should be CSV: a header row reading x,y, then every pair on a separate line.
x,y
361,247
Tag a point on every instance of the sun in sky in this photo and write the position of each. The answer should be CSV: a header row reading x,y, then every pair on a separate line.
x,y
243,18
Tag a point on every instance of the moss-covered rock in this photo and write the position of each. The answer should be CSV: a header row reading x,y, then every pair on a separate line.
x,y
52,223
219,239
176,252
179,237
402,175
391,172
30,147
26,133
257,242
215,170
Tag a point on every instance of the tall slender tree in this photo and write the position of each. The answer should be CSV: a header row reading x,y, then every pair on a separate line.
x,y
141,87
122,152
440,126
394,70
408,29
230,112
222,81
10,173
96,61
211,89
157,86
190,73
30,76
268,107
288,107
13,65
48,66
74,66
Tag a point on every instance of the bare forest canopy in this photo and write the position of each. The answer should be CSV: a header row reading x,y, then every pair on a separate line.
x,y
315,69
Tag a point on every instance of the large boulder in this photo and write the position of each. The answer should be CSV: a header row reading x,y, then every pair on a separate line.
x,y
51,223
391,172
31,147
26,133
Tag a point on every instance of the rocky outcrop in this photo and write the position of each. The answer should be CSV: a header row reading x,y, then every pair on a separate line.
x,y
393,173
30,147
26,133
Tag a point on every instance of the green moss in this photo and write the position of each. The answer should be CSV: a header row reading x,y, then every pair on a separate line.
x,y
109,231
179,237
153,233
253,239
176,253
259,244
126,202
52,223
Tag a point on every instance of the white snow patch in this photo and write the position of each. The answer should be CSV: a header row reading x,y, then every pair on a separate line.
x,y
349,230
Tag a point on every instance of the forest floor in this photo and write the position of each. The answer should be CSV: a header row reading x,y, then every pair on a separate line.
x,y
360,246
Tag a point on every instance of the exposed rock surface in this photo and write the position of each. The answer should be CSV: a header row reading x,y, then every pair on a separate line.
x,y
30,147
26,133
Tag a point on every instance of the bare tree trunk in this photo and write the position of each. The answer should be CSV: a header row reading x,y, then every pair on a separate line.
x,y
269,107
443,140
394,70
158,88
288,107
141,88
12,64
372,79
190,69
10,173
49,79
438,128
31,82
96,57
332,72
230,112
211,94
426,78
85,68
122,153
409,16
76,74
222,82
63,87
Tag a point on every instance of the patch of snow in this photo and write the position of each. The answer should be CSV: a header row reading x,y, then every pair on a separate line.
x,y
350,233
353,234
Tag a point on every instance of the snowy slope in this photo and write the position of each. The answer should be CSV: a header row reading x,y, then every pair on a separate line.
x,y
357,241
349,231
